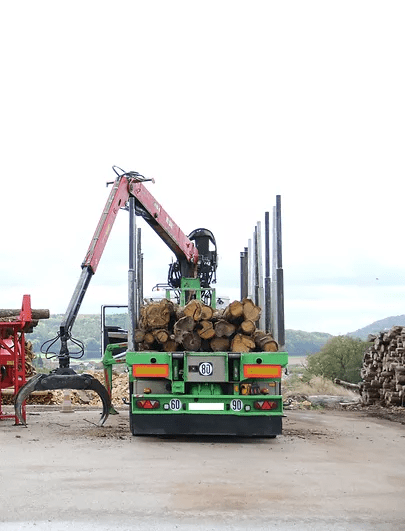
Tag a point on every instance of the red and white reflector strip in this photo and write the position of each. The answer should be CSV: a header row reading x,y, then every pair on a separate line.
x,y
265,405
147,404
152,370
261,370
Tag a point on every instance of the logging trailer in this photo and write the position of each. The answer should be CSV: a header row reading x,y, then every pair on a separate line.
x,y
181,391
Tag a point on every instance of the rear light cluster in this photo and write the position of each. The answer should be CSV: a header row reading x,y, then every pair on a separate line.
x,y
265,405
256,370
147,404
146,370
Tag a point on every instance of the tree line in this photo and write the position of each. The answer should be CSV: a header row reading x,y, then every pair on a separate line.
x,y
87,328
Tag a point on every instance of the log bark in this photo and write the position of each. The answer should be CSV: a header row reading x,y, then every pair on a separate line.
x,y
224,328
161,335
139,335
156,315
36,314
198,310
241,343
265,342
234,312
250,310
347,385
191,341
149,338
206,330
170,346
220,344
247,327
182,327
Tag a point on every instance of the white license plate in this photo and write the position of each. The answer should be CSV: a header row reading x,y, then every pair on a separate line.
x,y
208,406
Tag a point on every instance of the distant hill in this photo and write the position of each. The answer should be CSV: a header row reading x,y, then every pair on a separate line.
x,y
300,343
378,326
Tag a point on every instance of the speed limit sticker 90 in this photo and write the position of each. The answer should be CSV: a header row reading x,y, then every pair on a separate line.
x,y
175,404
236,405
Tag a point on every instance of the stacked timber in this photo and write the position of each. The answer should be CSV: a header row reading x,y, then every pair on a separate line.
x,y
11,316
29,358
196,327
383,370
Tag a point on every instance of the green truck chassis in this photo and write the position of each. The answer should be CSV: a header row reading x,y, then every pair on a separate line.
x,y
202,393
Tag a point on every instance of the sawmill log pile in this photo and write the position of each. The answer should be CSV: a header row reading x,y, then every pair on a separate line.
x,y
29,358
383,370
196,327
10,315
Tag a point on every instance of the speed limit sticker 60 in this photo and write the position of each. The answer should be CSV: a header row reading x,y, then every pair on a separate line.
x,y
175,404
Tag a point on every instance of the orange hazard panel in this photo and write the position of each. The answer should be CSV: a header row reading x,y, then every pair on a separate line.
x,y
262,371
153,370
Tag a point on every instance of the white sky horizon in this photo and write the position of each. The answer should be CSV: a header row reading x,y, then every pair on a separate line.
x,y
225,104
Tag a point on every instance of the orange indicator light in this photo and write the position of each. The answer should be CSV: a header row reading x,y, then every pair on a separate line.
x,y
262,371
153,370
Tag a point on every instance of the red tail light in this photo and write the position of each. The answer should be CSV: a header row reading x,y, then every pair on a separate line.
x,y
147,404
265,405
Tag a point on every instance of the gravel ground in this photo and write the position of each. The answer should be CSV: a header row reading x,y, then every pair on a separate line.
x,y
329,470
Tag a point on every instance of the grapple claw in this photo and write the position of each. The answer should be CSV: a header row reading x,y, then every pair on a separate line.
x,y
22,395
63,379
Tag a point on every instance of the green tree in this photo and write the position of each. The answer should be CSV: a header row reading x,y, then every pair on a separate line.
x,y
341,357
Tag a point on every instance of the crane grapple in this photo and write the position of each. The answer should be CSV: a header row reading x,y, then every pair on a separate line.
x,y
63,379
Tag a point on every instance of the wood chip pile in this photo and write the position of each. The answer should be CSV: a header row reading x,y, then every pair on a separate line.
x,y
383,370
78,397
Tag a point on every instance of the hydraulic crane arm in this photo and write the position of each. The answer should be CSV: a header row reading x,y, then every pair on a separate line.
x,y
154,214
125,185
164,226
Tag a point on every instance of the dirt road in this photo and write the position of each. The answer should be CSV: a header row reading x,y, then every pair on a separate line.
x,y
329,470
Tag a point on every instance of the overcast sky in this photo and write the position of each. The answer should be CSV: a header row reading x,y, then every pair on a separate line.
x,y
225,104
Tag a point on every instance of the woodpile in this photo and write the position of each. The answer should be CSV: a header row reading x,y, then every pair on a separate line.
x,y
196,327
9,315
383,370
29,358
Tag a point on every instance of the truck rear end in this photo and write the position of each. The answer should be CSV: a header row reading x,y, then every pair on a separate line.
x,y
206,393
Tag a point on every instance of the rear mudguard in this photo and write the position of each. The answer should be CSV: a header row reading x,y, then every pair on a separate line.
x,y
62,379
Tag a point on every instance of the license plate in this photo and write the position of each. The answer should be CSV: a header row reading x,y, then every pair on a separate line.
x,y
208,406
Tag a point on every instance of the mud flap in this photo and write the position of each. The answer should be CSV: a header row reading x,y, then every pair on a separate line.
x,y
63,379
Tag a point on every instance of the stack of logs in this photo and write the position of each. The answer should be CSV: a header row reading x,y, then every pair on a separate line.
x,y
9,316
29,358
197,327
383,370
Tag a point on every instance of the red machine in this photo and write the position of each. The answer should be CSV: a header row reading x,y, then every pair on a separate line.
x,y
12,353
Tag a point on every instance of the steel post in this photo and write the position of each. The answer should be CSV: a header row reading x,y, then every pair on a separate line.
x,y
280,278
132,280
267,279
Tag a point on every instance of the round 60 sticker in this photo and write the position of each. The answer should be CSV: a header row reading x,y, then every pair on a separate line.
x,y
236,405
175,404
205,368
